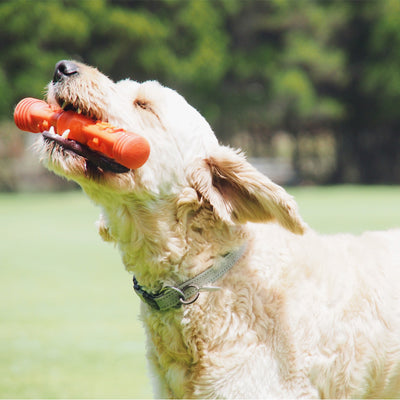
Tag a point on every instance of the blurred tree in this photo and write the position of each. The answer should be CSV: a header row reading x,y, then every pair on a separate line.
x,y
284,75
178,42
33,36
286,62
369,136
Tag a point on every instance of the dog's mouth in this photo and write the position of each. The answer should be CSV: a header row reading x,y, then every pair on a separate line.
x,y
95,161
78,107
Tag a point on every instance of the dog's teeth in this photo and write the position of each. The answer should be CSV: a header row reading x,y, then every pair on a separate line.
x,y
66,134
79,111
52,131
64,104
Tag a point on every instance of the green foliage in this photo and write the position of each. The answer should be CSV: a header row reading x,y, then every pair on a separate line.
x,y
382,75
29,31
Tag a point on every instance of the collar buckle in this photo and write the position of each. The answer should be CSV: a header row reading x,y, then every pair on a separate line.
x,y
188,292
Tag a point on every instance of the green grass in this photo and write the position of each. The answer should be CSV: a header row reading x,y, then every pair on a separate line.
x,y
69,326
349,208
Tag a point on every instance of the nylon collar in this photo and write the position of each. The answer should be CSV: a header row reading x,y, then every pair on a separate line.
x,y
188,292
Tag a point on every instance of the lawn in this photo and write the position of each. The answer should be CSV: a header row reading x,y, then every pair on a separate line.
x,y
69,326
349,208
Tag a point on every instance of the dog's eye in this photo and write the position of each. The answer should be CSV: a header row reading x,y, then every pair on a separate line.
x,y
141,104
148,107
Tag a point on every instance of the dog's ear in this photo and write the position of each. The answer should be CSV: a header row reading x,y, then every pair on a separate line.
x,y
239,193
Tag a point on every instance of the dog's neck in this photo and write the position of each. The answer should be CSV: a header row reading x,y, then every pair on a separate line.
x,y
166,240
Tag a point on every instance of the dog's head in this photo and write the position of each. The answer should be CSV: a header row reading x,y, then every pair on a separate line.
x,y
175,131
184,156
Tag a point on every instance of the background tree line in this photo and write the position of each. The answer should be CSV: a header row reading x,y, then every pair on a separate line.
x,y
316,82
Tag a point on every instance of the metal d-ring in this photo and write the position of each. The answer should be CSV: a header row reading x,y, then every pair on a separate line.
x,y
193,298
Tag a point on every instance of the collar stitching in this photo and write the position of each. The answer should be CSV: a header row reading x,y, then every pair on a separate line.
x,y
189,291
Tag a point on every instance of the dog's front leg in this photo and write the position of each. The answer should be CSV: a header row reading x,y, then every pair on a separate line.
x,y
157,375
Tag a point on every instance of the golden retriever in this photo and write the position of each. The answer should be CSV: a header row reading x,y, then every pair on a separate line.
x,y
240,298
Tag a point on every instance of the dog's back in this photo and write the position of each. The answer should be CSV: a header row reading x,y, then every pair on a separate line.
x,y
321,316
344,312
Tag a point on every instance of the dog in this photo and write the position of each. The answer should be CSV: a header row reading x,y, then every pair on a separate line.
x,y
241,299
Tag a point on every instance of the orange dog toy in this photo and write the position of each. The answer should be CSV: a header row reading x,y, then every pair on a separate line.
x,y
126,148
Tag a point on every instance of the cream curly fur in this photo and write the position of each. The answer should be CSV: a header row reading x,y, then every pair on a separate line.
x,y
300,315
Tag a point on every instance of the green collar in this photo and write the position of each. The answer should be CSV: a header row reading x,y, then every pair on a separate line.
x,y
188,292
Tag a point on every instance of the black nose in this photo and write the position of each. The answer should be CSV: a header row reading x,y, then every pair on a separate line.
x,y
64,69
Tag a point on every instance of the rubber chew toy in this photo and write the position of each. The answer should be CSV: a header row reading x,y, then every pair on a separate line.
x,y
126,148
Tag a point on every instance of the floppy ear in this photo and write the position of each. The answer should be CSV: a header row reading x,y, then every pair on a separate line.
x,y
239,193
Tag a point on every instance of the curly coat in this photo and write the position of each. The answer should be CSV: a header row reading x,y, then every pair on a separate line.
x,y
300,315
